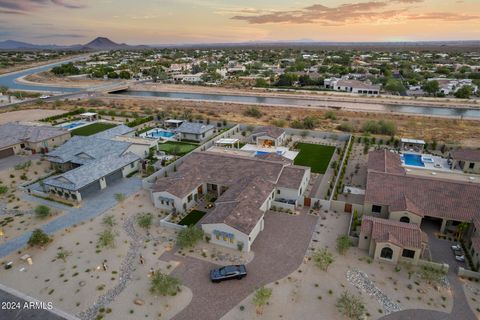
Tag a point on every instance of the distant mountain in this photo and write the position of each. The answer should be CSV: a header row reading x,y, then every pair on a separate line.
x,y
98,44
102,43
18,45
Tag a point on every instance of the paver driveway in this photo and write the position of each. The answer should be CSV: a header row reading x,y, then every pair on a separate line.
x,y
279,250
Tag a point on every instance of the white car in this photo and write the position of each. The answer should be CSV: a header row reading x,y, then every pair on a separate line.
x,y
456,247
460,258
45,96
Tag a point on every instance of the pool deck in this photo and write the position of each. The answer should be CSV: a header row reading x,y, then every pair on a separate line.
x,y
441,171
285,152
154,130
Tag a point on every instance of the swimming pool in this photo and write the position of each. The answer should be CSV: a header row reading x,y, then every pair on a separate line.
x,y
411,159
158,133
73,125
259,153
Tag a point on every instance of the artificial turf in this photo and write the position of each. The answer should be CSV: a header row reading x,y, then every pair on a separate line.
x,y
192,218
183,148
92,129
315,156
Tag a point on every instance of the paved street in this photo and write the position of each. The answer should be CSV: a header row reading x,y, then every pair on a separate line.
x,y
91,207
279,250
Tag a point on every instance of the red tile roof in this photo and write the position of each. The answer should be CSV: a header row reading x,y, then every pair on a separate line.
x,y
385,161
395,232
423,196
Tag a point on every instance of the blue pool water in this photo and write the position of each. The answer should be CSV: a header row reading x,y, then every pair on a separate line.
x,y
259,153
72,125
413,160
157,133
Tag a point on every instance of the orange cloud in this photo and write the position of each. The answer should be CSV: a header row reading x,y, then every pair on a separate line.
x,y
349,13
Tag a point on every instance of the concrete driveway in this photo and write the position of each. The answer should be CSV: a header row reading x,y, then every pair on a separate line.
x,y
279,250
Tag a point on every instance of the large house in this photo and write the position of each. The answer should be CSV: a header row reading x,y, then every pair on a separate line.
x,y
245,188
89,164
353,86
394,194
268,136
195,131
15,138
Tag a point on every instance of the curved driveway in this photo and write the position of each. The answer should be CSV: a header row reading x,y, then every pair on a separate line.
x,y
279,250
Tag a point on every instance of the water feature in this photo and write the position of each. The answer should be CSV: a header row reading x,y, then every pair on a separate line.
x,y
425,110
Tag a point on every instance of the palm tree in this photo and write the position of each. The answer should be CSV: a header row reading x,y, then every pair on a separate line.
x,y
461,229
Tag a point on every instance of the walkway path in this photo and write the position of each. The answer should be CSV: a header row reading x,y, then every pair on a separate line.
x,y
441,252
279,250
92,207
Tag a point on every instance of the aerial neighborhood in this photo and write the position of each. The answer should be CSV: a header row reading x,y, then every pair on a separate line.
x,y
239,181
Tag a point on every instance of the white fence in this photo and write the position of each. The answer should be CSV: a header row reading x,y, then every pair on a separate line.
x,y
166,223
283,205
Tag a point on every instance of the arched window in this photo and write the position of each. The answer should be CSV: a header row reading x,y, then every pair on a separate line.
x,y
405,219
386,253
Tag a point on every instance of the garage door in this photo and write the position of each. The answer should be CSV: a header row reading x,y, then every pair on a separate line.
x,y
6,153
91,189
112,177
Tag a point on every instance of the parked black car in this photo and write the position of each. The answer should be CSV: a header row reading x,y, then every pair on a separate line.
x,y
228,272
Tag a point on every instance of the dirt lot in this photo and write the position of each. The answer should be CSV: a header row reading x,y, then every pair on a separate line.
x,y
28,115
49,78
452,131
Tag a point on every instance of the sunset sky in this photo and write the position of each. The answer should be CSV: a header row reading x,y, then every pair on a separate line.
x,y
200,21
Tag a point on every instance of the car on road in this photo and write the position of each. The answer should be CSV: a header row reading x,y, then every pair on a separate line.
x,y
460,258
228,272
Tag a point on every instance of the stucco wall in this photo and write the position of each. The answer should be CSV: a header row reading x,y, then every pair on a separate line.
x,y
238,236
397,215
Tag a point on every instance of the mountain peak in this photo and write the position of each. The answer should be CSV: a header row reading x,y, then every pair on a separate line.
x,y
103,43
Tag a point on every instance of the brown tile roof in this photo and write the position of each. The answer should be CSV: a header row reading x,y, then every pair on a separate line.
x,y
466,155
385,161
272,156
249,180
270,131
216,168
395,232
291,177
387,184
239,206
429,197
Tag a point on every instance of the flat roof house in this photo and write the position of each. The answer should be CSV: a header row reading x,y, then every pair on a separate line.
x,y
195,131
15,138
467,160
268,136
245,188
356,86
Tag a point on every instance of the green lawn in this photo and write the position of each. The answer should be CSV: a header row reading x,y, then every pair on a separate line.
x,y
314,156
92,129
182,148
192,218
